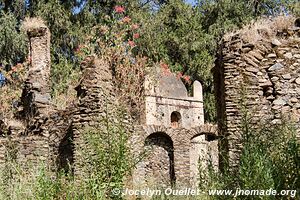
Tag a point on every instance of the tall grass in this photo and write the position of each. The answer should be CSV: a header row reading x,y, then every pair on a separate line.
x,y
270,158
105,163
108,156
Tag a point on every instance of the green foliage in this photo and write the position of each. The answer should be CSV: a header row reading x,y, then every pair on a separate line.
x,y
12,42
294,7
256,168
110,161
65,37
210,111
175,35
63,74
269,159
218,17
45,187
174,32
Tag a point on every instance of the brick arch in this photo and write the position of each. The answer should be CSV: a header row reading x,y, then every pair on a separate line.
x,y
198,145
203,129
149,129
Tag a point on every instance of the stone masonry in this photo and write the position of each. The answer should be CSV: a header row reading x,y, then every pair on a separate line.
x,y
36,96
263,73
96,101
38,133
172,136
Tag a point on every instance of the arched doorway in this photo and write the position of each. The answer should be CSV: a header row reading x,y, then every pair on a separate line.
x,y
159,161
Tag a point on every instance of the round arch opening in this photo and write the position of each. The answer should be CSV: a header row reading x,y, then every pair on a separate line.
x,y
159,162
175,119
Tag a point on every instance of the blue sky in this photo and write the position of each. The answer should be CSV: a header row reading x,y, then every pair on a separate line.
x,y
192,2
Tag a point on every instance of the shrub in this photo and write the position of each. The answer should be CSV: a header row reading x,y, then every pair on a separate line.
x,y
106,157
269,159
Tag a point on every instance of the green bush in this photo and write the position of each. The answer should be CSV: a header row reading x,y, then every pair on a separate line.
x,y
270,158
13,43
108,157
105,165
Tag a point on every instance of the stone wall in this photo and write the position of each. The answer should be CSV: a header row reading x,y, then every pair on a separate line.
x,y
172,133
185,146
96,101
258,68
35,135
40,141
36,95
174,137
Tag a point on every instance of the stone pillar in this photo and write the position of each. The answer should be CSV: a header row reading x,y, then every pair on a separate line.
x,y
36,94
198,152
197,91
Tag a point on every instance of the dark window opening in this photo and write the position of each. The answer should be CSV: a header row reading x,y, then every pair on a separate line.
x,y
175,119
210,137
65,157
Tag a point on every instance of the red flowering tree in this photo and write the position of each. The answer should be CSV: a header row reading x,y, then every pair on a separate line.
x,y
119,9
116,40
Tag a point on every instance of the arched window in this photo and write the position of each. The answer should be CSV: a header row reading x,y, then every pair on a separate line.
x,y
175,119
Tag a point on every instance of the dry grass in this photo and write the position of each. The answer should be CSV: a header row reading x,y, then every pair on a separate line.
x,y
63,100
33,23
10,93
264,28
7,96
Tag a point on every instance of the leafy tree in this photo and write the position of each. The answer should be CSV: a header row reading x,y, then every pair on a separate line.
x,y
172,31
12,41
174,35
221,16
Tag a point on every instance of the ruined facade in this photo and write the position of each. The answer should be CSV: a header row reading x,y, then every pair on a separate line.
x,y
258,68
172,138
172,134
38,132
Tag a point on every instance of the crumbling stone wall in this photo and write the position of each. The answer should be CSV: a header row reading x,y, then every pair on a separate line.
x,y
258,67
35,134
36,95
96,101
172,131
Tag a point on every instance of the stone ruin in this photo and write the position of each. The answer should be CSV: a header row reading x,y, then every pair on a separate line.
x,y
39,131
261,67
172,131
264,73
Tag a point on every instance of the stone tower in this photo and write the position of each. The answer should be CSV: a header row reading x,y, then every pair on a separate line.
x,y
36,95
260,73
